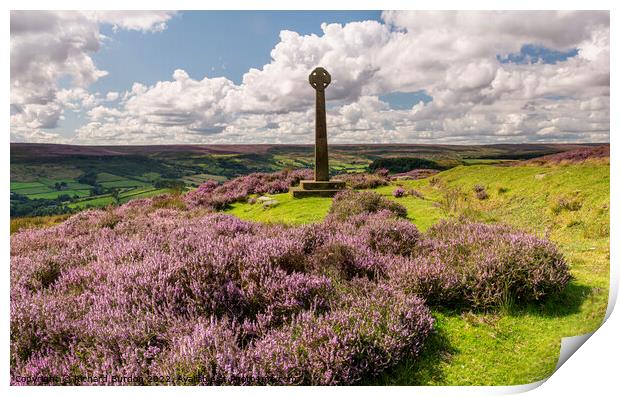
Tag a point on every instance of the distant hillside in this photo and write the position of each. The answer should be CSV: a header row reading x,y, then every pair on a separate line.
x,y
29,151
52,179
573,156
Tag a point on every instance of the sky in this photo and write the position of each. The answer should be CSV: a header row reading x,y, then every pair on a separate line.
x,y
211,77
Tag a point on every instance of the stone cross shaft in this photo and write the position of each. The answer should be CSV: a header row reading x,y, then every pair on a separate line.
x,y
321,186
319,80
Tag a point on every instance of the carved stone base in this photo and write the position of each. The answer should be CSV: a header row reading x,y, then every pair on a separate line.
x,y
312,188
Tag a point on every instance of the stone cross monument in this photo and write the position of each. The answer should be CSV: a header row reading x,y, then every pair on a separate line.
x,y
319,80
321,185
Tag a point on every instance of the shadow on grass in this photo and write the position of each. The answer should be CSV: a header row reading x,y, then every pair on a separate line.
x,y
427,369
568,302
423,370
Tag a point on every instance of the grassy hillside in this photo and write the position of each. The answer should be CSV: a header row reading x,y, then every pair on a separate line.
x,y
569,203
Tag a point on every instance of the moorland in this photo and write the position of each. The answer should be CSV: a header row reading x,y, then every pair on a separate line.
x,y
467,273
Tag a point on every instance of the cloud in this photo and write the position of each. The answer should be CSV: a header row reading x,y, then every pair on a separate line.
x,y
454,57
49,45
111,96
146,21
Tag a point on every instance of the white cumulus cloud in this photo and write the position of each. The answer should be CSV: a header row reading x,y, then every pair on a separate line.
x,y
49,45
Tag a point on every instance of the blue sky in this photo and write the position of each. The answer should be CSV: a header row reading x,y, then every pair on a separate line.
x,y
207,43
398,76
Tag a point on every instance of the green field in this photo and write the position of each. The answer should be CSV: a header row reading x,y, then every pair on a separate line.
x,y
515,345
56,194
81,195
125,196
25,185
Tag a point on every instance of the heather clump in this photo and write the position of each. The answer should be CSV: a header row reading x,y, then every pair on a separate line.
x,y
383,233
398,192
481,192
415,193
482,266
415,174
210,296
568,203
312,349
217,197
327,350
383,172
362,180
349,203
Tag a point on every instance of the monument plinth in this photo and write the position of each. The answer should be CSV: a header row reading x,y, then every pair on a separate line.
x,y
321,185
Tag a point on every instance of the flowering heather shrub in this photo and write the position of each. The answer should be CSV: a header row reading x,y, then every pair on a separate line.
x,y
311,349
217,197
349,203
414,174
482,266
385,234
361,181
481,192
160,292
482,195
429,277
398,192
572,156
327,350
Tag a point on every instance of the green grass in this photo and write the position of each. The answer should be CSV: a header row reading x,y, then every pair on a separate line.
x,y
123,183
202,177
97,202
56,193
44,188
149,176
288,210
103,177
18,223
484,161
144,193
100,201
25,185
33,190
32,172
516,345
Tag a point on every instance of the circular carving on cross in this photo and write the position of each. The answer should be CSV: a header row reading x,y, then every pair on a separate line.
x,y
319,78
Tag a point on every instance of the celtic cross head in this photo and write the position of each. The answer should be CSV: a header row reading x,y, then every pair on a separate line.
x,y
319,79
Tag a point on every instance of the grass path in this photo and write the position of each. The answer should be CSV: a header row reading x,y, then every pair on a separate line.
x,y
569,203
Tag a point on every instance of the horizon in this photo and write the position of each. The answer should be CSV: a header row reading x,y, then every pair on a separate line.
x,y
312,144
113,78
